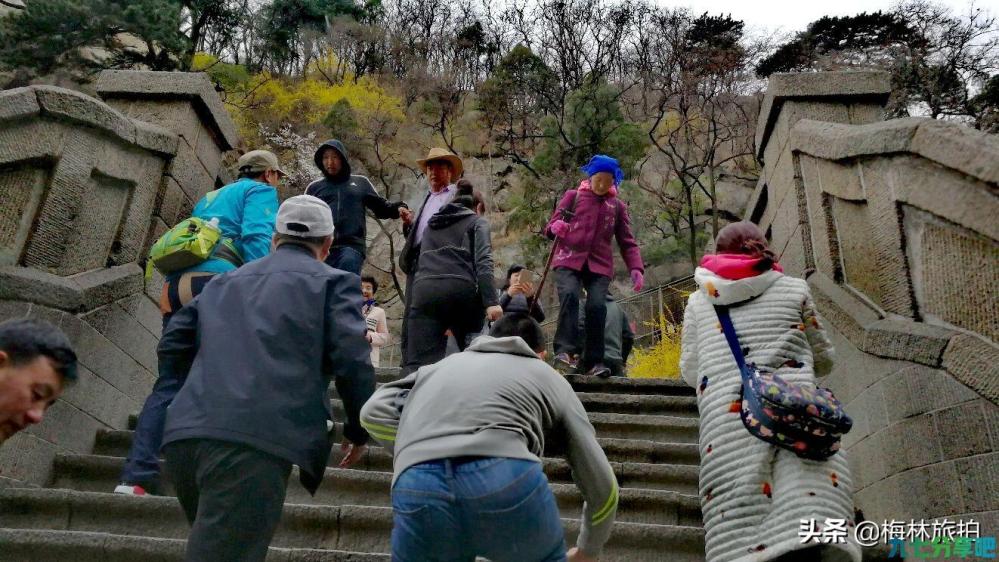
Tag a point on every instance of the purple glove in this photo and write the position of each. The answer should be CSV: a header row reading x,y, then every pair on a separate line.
x,y
560,228
637,279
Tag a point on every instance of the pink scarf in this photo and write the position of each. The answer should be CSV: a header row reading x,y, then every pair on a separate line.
x,y
734,266
585,186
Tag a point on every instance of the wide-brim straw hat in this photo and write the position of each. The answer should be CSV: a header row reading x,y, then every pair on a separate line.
x,y
445,155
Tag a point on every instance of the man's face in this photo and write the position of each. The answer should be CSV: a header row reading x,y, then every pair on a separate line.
x,y
26,391
438,174
332,162
368,290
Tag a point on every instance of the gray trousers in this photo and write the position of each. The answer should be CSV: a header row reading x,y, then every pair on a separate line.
x,y
232,495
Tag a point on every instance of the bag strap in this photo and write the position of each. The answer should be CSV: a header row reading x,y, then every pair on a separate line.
x,y
569,212
732,339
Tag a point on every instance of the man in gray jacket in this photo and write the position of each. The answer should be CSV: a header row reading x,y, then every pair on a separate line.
x,y
256,351
467,434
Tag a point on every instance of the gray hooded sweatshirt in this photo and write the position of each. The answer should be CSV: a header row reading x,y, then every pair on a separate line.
x,y
496,399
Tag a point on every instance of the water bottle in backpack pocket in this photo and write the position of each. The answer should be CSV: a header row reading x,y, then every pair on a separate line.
x,y
190,242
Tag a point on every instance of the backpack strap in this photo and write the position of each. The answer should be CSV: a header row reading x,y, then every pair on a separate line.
x,y
733,340
570,212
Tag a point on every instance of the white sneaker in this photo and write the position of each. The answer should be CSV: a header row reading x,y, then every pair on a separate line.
x,y
128,490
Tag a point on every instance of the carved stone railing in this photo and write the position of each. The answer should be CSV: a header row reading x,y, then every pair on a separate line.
x,y
894,225
84,190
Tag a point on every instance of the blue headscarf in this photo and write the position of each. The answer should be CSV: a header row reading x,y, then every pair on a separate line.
x,y
603,163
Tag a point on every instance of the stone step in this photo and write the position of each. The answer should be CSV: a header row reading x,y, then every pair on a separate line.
x,y
658,429
645,404
654,428
651,469
79,546
116,443
676,490
623,385
387,374
345,528
583,383
613,403
47,546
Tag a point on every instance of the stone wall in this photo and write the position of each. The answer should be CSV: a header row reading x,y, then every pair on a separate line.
x,y
893,224
84,191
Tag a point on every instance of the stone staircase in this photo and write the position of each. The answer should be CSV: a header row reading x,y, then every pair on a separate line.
x,y
647,427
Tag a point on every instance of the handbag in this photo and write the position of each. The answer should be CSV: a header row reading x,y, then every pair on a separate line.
x,y
808,422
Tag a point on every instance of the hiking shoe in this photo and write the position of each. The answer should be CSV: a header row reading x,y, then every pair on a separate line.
x,y
131,490
599,370
565,360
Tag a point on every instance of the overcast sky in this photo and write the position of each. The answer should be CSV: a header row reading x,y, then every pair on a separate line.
x,y
793,15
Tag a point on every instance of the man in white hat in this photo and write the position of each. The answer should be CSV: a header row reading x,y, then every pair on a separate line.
x,y
443,168
245,212
258,348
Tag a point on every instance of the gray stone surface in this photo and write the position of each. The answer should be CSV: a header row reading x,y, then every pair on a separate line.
x,y
974,362
190,174
126,333
74,106
77,293
68,428
18,102
912,341
980,482
27,458
894,223
125,84
849,87
920,389
962,430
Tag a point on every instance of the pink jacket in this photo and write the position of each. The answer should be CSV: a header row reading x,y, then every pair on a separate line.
x,y
597,219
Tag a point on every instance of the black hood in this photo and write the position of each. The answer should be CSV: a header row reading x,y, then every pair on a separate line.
x,y
340,148
448,215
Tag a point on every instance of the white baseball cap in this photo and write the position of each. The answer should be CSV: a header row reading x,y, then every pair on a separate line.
x,y
304,216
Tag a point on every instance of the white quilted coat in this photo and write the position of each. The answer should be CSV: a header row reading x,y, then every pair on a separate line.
x,y
754,495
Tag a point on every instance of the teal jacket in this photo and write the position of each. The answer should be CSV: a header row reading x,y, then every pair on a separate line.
x,y
246,210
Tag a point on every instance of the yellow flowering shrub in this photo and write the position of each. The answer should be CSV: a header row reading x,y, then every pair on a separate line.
x,y
661,361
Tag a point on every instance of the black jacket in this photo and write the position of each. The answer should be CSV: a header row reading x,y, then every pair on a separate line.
x,y
258,348
348,196
537,311
456,245
410,253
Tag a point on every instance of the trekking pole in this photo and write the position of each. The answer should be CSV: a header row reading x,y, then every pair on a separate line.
x,y
567,216
544,276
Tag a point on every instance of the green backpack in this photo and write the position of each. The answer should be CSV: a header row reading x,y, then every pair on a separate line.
x,y
189,243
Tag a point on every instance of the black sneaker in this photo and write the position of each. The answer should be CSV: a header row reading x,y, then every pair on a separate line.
x,y
599,370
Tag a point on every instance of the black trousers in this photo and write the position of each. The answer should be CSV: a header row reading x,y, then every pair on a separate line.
x,y
569,283
232,495
438,305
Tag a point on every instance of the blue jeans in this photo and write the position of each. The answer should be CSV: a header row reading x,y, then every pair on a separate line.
x,y
142,466
346,258
459,508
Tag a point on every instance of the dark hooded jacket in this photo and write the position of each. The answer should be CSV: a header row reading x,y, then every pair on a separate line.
x,y
258,375
456,245
348,195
